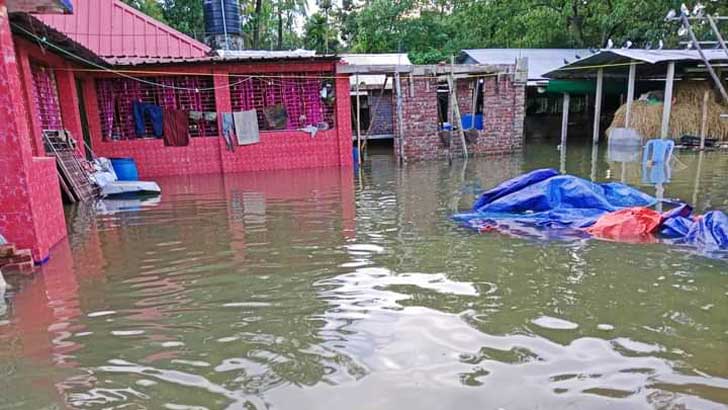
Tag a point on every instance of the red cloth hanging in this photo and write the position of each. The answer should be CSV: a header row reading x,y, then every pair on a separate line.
x,y
627,225
176,128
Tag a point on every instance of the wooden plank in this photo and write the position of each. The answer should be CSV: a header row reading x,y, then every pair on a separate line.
x,y
667,104
417,70
456,108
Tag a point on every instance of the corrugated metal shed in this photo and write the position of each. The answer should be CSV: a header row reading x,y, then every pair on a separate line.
x,y
374,81
540,60
121,34
650,62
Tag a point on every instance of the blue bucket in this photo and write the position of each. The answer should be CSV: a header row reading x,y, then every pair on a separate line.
x,y
125,169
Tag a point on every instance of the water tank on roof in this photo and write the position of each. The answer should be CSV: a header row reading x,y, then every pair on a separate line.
x,y
222,24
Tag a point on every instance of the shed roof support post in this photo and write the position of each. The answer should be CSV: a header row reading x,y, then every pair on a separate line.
x,y
630,93
598,105
564,131
358,121
667,105
400,115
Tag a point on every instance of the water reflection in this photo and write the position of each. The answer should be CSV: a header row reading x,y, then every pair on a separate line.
x,y
305,290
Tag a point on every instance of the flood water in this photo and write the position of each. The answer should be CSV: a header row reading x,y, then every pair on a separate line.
x,y
314,289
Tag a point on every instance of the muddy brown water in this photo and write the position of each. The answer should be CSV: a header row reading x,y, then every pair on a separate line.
x,y
325,288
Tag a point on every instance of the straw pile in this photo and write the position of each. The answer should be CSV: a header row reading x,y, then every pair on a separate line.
x,y
686,116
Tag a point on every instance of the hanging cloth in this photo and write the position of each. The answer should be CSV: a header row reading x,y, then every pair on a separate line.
x,y
246,126
176,128
142,111
228,130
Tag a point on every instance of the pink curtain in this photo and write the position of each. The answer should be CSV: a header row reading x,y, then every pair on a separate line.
x,y
167,95
293,101
128,92
243,92
314,109
45,96
106,100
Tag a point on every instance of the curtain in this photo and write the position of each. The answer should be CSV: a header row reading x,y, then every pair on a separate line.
x,y
314,109
107,101
243,92
45,95
293,101
167,95
128,91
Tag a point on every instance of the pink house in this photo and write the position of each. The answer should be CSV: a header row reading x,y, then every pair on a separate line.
x,y
84,71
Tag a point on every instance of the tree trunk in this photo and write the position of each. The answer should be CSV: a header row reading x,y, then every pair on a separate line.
x,y
256,27
280,26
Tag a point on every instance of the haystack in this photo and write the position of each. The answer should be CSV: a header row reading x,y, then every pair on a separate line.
x,y
686,116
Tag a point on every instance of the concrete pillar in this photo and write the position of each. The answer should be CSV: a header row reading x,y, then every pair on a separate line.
x,y
31,212
564,131
667,106
630,93
598,105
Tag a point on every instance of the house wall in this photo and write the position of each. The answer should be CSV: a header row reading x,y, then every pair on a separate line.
x,y
284,149
31,212
503,117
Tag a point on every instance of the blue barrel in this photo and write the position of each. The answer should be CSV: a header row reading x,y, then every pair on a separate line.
x,y
125,169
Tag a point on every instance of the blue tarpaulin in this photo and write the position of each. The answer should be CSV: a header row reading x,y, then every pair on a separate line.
x,y
545,204
545,198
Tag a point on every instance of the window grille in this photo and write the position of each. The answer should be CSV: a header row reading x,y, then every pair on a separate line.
x,y
308,99
45,97
116,97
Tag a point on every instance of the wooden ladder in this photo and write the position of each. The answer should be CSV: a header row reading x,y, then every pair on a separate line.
x,y
74,178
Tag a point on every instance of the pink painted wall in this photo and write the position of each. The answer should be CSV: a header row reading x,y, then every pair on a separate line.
x,y
31,212
276,150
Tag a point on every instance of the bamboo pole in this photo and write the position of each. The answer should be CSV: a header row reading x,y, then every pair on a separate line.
x,y
704,122
456,108
667,104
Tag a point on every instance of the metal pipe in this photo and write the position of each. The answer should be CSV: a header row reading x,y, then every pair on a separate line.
x,y
224,25
630,94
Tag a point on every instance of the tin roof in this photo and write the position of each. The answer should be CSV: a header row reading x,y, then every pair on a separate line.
x,y
374,81
120,34
650,62
540,60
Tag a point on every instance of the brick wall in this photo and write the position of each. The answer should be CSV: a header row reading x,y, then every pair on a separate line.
x,y
504,112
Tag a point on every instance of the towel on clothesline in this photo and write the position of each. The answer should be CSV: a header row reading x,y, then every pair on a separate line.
x,y
176,128
246,127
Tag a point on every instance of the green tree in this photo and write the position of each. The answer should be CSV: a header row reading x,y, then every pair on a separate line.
x,y
320,35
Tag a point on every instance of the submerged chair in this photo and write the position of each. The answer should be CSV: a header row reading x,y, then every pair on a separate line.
x,y
658,151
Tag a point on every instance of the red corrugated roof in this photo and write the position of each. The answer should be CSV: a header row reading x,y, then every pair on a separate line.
x,y
114,30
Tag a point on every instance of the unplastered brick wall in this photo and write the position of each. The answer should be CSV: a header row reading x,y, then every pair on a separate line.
x,y
503,107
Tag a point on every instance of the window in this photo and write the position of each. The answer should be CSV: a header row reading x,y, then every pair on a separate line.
x,y
116,97
45,97
286,101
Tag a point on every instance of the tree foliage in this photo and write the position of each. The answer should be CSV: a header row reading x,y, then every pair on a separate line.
x,y
432,30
